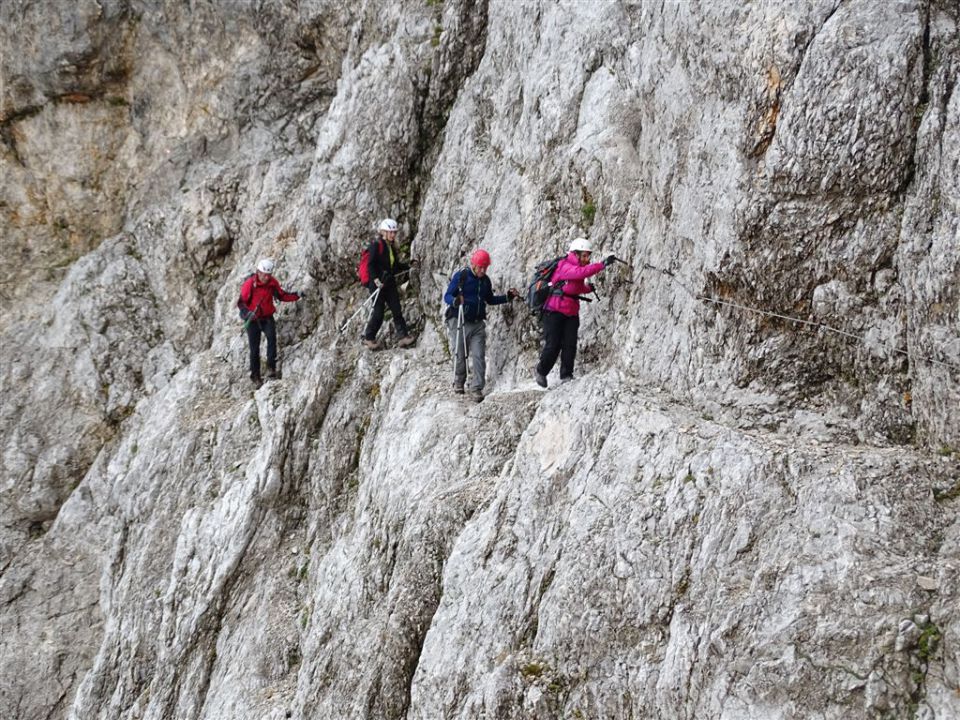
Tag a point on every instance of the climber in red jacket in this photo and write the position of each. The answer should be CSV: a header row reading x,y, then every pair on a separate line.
x,y
256,310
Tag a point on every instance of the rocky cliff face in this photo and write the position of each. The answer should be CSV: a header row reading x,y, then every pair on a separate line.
x,y
729,514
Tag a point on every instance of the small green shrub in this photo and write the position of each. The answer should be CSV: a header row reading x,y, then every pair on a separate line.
x,y
531,670
929,641
589,212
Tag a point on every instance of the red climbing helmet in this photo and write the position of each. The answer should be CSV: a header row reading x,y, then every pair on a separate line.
x,y
480,258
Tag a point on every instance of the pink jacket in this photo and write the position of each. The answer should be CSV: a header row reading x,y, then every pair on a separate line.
x,y
574,273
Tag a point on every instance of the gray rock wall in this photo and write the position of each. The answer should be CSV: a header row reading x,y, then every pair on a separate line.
x,y
729,514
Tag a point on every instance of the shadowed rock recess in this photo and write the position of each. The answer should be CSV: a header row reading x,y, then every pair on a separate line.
x,y
729,514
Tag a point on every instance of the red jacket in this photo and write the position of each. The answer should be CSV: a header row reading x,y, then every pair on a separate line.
x,y
258,297
574,273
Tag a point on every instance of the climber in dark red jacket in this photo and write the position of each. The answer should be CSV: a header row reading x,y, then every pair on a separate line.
x,y
256,309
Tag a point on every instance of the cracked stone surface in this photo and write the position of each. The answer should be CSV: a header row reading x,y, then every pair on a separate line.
x,y
744,506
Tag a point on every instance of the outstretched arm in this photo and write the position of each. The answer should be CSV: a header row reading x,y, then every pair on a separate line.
x,y
568,271
282,295
489,298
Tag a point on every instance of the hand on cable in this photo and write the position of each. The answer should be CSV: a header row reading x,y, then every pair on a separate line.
x,y
298,293
513,294
414,263
458,301
609,260
378,283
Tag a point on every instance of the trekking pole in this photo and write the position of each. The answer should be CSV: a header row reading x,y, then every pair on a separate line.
x,y
460,334
243,330
251,316
372,300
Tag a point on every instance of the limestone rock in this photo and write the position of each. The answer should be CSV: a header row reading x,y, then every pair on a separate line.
x,y
743,506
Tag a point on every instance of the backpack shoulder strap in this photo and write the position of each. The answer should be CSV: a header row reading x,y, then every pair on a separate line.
x,y
556,286
382,254
373,252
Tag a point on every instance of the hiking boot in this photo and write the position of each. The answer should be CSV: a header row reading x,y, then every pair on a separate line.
x,y
372,344
257,382
458,387
476,395
406,341
566,379
541,379
273,374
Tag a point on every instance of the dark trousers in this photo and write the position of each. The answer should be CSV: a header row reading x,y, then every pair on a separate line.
x,y
269,328
559,339
388,296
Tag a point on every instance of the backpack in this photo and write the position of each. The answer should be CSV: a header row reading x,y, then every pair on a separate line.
x,y
451,310
540,287
363,269
241,306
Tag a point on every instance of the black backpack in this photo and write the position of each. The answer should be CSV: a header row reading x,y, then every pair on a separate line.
x,y
540,287
241,305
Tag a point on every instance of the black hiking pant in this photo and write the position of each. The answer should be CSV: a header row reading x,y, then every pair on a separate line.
x,y
267,327
389,295
559,339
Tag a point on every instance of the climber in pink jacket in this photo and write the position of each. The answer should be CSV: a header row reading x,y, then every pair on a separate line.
x,y
561,311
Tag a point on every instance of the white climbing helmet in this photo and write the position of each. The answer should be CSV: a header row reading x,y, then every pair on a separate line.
x,y
581,245
388,224
265,265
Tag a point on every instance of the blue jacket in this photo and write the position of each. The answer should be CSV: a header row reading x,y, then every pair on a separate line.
x,y
477,294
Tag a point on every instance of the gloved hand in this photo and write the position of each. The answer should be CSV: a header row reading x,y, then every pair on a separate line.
x,y
299,294
609,260
458,301
513,294
246,314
